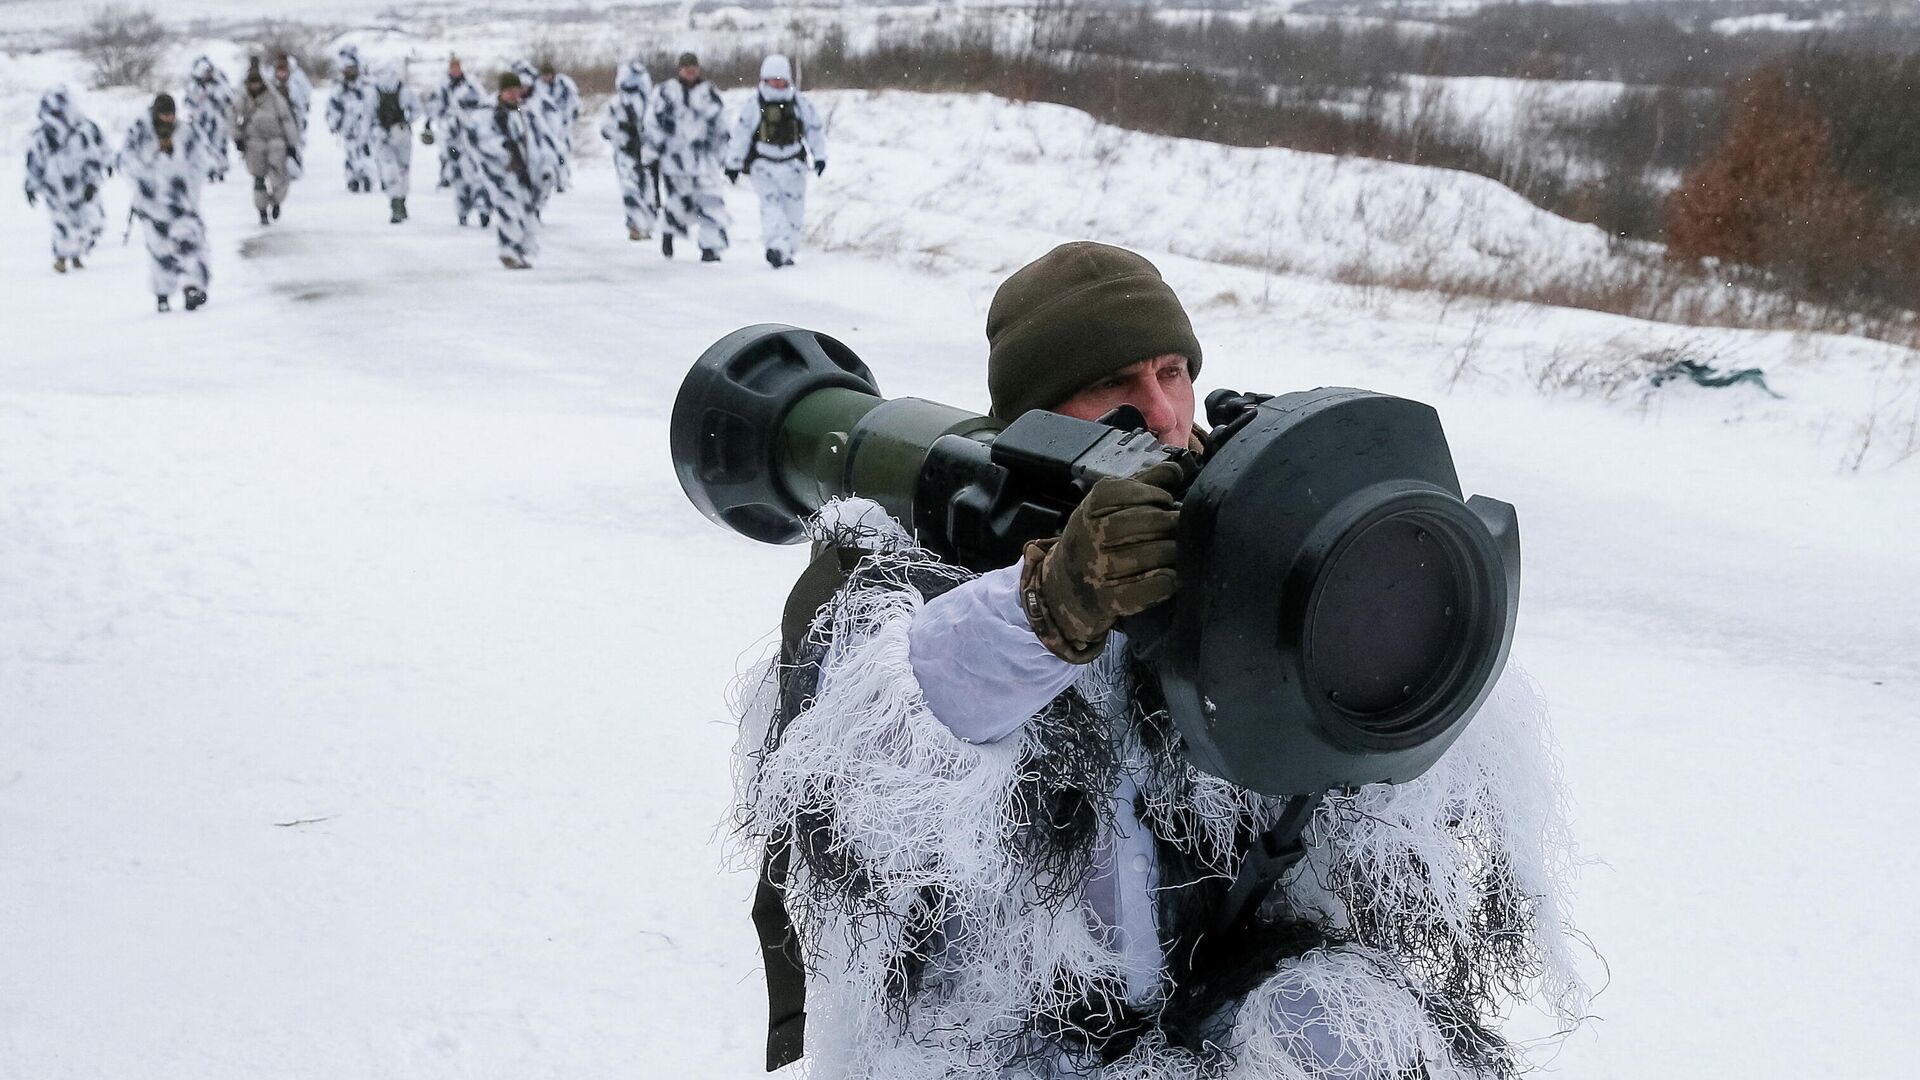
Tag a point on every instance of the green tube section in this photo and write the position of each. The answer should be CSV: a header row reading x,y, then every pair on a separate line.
x,y
836,443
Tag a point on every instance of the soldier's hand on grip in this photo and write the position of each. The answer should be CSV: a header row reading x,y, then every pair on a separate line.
x,y
1115,558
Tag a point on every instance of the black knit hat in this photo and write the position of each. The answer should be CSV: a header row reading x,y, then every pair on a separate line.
x,y
1074,316
687,59
162,104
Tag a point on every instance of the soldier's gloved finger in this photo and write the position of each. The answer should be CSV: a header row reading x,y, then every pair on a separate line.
x,y
1148,590
1123,564
1134,524
1115,494
1167,475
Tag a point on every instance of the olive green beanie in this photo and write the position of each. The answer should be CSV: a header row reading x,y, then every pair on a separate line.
x,y
1074,316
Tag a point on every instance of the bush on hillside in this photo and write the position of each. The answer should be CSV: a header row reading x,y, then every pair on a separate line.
x,y
121,45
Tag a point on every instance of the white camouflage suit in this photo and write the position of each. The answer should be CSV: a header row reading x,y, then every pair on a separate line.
x,y
622,126
776,133
350,118
449,105
209,100
393,145
298,92
67,162
166,198
685,136
514,171
550,124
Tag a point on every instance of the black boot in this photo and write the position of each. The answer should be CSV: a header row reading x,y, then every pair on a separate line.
x,y
164,306
773,258
666,244
399,215
276,211
195,297
485,220
264,219
77,264
709,255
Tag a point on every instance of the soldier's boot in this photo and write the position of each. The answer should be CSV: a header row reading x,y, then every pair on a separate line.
x,y
60,265
513,263
399,207
666,244
709,255
485,220
634,233
773,258
195,297
264,219
163,306
77,264
276,211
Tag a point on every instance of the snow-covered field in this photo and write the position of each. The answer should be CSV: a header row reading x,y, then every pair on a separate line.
x,y
363,669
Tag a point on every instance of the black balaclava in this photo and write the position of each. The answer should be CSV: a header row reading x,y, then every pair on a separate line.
x,y
162,105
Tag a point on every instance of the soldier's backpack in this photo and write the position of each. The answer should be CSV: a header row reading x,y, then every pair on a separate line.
x,y
779,123
389,113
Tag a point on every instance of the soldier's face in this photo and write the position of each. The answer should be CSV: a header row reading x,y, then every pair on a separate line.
x,y
510,97
454,70
690,73
1161,388
280,73
776,84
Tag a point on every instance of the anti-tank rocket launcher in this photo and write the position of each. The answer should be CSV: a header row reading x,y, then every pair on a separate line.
x,y
1342,611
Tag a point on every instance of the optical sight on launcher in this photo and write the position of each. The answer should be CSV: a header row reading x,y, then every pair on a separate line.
x,y
1342,612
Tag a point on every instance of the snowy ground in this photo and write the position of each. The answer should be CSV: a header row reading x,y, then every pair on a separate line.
x,y
362,666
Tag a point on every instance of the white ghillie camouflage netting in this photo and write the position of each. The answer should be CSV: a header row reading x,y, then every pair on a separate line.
x,y
1441,901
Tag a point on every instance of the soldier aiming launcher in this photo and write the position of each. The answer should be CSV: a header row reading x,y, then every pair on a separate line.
x,y
1342,611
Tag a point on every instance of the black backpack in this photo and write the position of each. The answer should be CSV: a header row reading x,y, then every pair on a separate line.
x,y
389,113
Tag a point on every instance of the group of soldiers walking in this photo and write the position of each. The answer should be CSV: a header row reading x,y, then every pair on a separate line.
x,y
502,155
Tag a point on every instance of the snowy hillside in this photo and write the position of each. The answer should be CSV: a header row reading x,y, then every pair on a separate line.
x,y
363,669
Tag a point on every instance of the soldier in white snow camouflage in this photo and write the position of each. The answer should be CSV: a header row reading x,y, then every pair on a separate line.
x,y
775,135
622,125
209,101
266,133
539,106
350,118
683,139
558,99
449,104
514,170
67,162
292,84
394,111
165,162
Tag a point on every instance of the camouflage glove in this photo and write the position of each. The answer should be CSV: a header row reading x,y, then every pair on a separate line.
x,y
1115,558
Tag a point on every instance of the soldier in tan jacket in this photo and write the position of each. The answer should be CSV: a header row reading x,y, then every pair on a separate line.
x,y
265,133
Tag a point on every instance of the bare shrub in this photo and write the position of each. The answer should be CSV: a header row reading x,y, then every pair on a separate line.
x,y
311,46
122,45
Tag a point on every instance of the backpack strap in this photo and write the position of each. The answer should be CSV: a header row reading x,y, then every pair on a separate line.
x,y
780,952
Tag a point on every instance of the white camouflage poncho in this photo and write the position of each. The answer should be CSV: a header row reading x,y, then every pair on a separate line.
x,y
936,884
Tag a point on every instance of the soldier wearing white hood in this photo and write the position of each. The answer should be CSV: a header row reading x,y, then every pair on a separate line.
x,y
449,104
546,121
514,169
166,163
394,112
622,126
66,164
682,142
776,133
292,84
350,118
209,101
